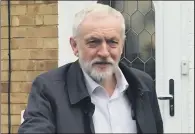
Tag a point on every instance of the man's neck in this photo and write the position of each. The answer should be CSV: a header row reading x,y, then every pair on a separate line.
x,y
109,84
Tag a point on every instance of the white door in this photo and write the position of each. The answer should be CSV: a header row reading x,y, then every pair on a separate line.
x,y
168,44
155,47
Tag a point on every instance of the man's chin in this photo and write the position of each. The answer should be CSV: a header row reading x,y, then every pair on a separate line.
x,y
102,71
102,67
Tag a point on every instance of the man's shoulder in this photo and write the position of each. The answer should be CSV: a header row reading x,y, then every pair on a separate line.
x,y
55,74
137,73
144,78
141,74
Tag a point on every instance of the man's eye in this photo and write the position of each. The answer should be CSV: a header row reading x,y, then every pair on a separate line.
x,y
93,43
112,42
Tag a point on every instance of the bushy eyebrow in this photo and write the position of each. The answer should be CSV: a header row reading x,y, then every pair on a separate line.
x,y
99,38
92,38
113,38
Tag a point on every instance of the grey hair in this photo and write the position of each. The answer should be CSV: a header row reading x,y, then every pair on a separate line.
x,y
100,8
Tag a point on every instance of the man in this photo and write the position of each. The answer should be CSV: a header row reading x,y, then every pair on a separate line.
x,y
97,93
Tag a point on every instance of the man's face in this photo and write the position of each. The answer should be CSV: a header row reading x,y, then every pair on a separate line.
x,y
99,45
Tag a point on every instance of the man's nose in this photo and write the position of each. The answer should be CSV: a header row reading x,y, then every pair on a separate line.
x,y
103,50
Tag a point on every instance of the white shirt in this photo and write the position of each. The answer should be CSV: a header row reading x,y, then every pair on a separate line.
x,y
112,114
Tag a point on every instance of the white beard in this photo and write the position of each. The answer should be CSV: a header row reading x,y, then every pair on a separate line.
x,y
96,74
99,76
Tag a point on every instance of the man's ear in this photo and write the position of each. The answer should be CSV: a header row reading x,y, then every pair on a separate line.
x,y
122,46
74,46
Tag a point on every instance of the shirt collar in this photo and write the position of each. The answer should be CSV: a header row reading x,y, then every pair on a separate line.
x,y
121,85
90,83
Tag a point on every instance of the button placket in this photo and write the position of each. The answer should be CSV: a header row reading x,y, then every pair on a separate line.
x,y
113,116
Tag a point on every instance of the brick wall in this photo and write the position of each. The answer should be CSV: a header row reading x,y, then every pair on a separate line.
x,y
34,44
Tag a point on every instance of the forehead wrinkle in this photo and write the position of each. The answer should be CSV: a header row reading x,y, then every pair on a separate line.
x,y
101,34
100,25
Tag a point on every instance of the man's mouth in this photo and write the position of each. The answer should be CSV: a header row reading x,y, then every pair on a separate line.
x,y
102,64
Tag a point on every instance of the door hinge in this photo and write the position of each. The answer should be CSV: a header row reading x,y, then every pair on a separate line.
x,y
184,67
